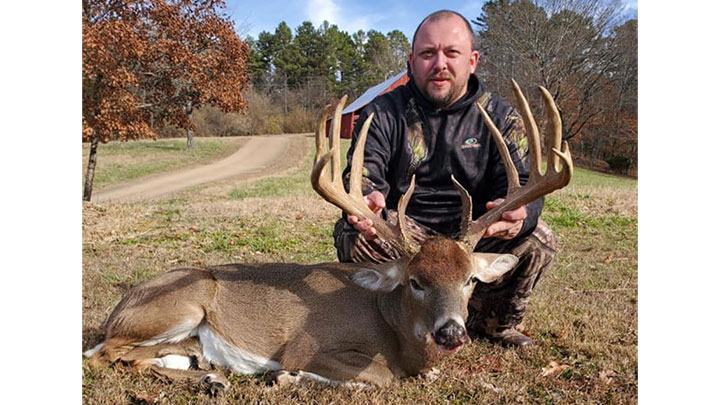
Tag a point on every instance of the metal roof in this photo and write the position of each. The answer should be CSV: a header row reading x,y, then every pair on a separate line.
x,y
372,92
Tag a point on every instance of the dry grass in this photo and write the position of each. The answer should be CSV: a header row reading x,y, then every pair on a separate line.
x,y
583,314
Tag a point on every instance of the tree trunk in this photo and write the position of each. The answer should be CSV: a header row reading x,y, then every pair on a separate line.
x,y
190,133
90,173
190,141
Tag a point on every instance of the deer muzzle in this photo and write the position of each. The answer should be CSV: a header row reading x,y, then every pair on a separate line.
x,y
450,336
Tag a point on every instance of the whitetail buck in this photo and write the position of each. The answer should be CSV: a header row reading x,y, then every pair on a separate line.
x,y
339,323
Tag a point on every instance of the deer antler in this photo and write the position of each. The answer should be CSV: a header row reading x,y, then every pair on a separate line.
x,y
330,186
557,176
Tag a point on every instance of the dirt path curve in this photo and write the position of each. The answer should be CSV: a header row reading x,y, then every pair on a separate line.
x,y
255,155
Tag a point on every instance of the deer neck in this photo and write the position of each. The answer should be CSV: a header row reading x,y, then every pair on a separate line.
x,y
415,354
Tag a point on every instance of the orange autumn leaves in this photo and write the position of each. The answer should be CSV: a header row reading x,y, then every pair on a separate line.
x,y
145,61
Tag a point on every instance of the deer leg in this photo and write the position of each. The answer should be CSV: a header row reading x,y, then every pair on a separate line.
x,y
182,361
173,355
348,369
118,345
215,381
152,314
282,378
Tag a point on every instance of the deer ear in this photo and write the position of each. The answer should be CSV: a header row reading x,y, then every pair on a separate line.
x,y
383,277
489,267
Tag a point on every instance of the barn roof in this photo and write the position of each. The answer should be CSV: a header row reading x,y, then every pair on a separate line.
x,y
372,92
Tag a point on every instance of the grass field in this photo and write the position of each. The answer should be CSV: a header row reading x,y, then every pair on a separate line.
x,y
583,313
118,162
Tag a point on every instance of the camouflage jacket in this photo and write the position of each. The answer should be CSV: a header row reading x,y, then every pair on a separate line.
x,y
410,136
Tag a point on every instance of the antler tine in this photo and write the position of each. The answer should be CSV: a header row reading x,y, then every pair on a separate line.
x,y
357,159
402,220
335,127
553,138
510,170
320,141
333,191
538,185
466,216
533,134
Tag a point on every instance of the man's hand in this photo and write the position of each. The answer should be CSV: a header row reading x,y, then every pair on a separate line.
x,y
376,202
510,224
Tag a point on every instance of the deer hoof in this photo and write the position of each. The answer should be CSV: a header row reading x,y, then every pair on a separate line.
x,y
216,383
282,378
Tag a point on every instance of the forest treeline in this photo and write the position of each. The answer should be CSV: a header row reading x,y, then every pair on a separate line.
x,y
583,51
294,73
178,68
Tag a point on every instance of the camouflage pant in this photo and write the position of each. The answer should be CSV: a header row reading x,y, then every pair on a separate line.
x,y
493,307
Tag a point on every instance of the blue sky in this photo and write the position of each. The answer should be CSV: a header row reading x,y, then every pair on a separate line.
x,y
253,17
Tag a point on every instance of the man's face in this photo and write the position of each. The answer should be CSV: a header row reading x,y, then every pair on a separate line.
x,y
442,60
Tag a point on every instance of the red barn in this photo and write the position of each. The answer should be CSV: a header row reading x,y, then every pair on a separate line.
x,y
351,112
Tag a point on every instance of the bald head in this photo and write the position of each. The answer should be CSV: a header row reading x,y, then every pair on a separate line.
x,y
444,14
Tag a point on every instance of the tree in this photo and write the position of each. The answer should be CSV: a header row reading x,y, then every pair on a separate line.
x,y
579,52
561,44
399,49
317,61
346,58
615,131
148,63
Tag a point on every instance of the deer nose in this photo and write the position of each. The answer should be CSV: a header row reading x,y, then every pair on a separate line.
x,y
451,335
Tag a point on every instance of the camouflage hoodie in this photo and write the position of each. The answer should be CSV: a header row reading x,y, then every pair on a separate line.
x,y
408,135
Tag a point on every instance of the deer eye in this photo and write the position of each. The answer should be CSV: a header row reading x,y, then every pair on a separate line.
x,y
414,284
472,280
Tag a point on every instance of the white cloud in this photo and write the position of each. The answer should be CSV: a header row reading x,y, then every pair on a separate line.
x,y
347,16
318,11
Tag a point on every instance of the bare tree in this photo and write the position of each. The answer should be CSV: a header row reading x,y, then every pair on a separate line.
x,y
563,44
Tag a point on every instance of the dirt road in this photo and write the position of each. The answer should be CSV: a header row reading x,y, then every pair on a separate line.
x,y
255,155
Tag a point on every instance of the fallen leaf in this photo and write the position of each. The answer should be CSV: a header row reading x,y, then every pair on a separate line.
x,y
553,368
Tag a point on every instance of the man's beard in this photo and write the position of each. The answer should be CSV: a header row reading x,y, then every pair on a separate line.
x,y
442,101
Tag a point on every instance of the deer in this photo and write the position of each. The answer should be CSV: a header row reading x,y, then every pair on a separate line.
x,y
344,324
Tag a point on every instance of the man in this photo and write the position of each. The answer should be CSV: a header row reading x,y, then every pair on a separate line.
x,y
432,128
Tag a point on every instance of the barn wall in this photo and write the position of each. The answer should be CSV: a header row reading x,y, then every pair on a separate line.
x,y
350,119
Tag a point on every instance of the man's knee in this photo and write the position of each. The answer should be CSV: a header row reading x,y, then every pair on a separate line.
x,y
545,236
536,253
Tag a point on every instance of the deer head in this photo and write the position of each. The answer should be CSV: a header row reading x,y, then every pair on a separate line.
x,y
436,277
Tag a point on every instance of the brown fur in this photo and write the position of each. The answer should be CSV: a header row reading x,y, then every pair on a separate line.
x,y
441,262
312,318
